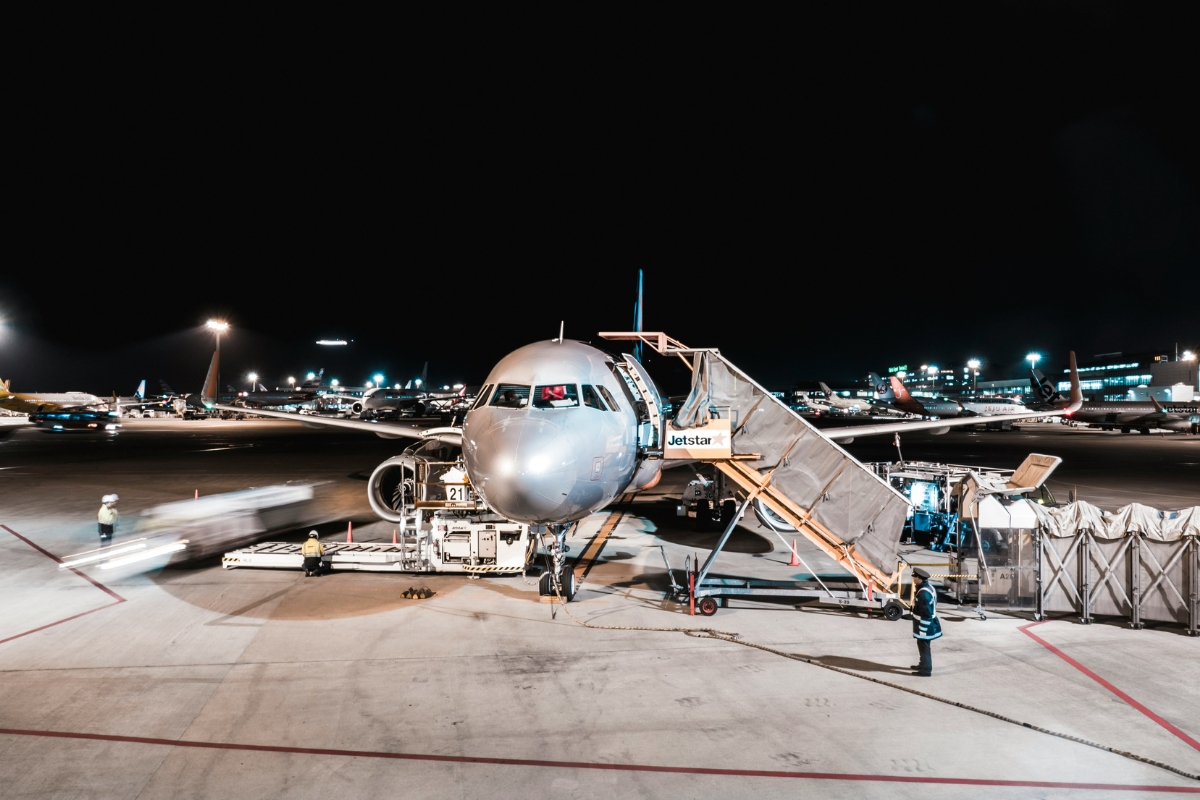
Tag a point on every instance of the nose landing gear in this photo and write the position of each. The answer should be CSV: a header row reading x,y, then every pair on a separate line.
x,y
559,578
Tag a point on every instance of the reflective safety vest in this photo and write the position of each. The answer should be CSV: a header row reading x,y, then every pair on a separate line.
x,y
312,547
107,515
926,624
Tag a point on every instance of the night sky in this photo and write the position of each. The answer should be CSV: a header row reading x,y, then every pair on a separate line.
x,y
816,197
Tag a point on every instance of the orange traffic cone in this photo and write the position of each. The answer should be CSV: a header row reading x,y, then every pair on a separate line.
x,y
795,562
394,536
349,533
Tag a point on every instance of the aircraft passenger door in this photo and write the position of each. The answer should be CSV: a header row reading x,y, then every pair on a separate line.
x,y
647,405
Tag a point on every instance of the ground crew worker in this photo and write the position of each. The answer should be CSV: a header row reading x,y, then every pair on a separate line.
x,y
107,517
926,625
312,552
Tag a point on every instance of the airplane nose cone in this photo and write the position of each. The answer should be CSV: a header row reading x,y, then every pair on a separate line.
x,y
524,468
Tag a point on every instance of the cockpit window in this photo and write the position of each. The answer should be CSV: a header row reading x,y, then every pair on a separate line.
x,y
612,401
482,399
560,395
509,395
591,399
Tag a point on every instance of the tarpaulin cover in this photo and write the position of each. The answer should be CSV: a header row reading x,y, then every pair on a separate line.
x,y
1163,526
844,496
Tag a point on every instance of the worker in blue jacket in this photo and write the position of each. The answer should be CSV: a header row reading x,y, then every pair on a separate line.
x,y
926,625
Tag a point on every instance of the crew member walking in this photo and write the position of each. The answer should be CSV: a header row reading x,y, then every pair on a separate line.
x,y
926,625
107,517
312,552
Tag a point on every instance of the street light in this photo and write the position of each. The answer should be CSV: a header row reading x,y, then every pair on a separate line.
x,y
932,371
253,378
1188,355
334,383
310,376
291,381
378,380
974,365
1033,359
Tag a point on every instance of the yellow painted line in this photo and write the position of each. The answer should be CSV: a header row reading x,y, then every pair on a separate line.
x,y
584,565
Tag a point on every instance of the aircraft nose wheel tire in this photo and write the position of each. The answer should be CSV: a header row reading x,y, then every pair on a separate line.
x,y
707,606
567,585
892,611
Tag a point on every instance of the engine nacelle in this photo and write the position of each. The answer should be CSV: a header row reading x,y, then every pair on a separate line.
x,y
648,474
392,486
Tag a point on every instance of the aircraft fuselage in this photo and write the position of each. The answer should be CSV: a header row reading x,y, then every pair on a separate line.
x,y
553,435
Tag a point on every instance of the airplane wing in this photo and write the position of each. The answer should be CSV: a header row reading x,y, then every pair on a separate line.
x,y
384,430
852,432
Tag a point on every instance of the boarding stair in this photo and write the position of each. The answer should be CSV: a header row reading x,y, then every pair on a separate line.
x,y
778,458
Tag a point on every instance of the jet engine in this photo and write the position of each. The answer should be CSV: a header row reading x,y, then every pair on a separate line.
x,y
393,484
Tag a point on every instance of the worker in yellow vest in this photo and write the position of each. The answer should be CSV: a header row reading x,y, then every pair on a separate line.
x,y
107,517
312,552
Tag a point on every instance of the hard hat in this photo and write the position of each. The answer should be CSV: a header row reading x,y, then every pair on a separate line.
x,y
108,498
313,534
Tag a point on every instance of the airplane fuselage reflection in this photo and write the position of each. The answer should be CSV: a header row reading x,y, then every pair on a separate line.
x,y
554,435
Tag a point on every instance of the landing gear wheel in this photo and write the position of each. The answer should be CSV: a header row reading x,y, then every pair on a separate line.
x,y
707,606
567,584
545,587
892,611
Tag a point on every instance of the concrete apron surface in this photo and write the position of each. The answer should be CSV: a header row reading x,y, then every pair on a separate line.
x,y
203,682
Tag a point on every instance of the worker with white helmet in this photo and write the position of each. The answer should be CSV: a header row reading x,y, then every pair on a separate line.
x,y
312,552
107,518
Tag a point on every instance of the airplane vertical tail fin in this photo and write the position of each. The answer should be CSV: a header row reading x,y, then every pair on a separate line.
x,y
1076,390
5,387
899,389
825,388
425,375
211,389
637,318
882,389
140,394
1042,387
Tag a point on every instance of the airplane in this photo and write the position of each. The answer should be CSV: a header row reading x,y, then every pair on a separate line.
x,y
893,394
186,406
991,406
559,431
32,402
1127,415
833,402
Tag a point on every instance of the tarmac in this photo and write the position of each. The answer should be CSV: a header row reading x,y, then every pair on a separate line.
x,y
202,682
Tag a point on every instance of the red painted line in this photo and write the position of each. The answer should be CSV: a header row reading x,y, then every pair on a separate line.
x,y
87,578
523,762
1025,630
59,622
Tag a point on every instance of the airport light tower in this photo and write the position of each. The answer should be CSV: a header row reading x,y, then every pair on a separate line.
x,y
974,365
932,371
1033,359
253,378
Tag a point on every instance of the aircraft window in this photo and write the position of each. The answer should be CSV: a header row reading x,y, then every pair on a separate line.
x,y
510,395
591,399
560,395
612,403
483,396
